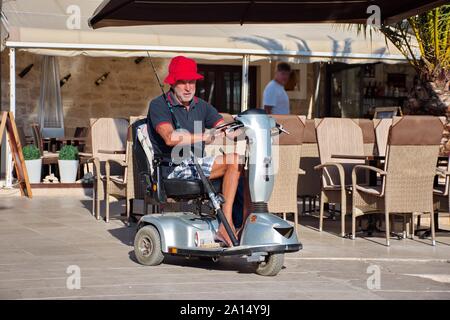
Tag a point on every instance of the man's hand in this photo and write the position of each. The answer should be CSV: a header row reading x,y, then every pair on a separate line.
x,y
209,135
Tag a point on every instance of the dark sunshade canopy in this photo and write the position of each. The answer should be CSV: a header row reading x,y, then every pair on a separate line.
x,y
145,12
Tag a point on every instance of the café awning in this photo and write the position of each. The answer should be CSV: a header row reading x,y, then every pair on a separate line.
x,y
138,12
44,27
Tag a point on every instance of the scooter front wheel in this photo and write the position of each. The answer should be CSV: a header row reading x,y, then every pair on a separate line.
x,y
271,266
147,246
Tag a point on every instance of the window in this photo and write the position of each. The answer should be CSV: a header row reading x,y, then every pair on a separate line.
x,y
222,87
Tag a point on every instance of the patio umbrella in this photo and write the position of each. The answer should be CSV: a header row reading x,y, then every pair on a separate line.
x,y
141,12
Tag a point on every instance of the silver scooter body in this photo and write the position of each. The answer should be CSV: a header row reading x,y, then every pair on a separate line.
x,y
264,233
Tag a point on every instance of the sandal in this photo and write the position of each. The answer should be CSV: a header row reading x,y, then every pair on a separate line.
x,y
239,231
220,238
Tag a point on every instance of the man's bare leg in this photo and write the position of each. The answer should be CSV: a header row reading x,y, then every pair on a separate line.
x,y
247,203
227,166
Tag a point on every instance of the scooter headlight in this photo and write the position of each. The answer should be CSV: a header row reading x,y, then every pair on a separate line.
x,y
285,232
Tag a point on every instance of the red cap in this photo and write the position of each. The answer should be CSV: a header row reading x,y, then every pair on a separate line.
x,y
182,68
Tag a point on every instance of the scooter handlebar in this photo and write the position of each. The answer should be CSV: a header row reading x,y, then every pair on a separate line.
x,y
234,125
228,127
280,129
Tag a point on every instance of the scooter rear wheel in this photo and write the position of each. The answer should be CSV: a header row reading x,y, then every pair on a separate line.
x,y
147,246
271,266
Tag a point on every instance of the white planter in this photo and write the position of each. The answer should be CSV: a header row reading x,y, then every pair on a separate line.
x,y
34,169
68,170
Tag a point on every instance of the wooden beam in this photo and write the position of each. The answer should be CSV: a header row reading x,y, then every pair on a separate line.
x,y
9,123
3,125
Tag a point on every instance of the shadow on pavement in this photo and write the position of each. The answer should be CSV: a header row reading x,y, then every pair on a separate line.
x,y
236,264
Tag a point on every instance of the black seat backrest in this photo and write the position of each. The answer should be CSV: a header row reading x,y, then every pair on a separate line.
x,y
141,164
159,187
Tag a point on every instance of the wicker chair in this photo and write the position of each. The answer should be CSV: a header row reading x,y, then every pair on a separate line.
x,y
338,136
286,156
24,139
382,127
47,156
368,131
108,141
119,186
441,197
408,175
308,186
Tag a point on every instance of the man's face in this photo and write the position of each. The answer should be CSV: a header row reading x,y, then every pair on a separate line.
x,y
184,90
282,77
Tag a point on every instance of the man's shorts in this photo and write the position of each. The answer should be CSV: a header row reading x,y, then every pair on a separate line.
x,y
187,170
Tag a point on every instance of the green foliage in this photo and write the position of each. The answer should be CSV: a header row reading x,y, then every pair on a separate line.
x,y
68,153
424,40
426,34
31,152
432,30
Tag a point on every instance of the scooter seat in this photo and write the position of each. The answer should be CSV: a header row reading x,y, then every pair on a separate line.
x,y
188,189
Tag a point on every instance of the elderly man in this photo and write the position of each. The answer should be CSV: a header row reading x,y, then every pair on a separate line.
x,y
178,125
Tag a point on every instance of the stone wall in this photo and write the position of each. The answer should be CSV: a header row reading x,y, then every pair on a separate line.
x,y
302,106
126,92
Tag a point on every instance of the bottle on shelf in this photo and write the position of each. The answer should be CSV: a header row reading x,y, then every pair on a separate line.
x,y
102,78
366,71
376,93
64,80
25,71
391,90
380,91
370,90
396,92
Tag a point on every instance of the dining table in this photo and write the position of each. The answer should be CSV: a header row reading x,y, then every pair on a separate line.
x,y
55,143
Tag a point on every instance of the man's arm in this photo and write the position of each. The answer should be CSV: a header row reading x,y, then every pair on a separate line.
x,y
173,138
269,98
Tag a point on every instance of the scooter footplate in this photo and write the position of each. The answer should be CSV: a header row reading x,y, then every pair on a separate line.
x,y
234,251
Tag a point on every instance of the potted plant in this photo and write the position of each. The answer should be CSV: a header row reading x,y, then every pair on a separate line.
x,y
68,164
33,162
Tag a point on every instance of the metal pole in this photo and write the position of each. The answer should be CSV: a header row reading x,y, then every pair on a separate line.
x,y
244,93
12,108
1,102
1,26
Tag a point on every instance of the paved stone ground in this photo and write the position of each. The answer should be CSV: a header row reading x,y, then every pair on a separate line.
x,y
42,237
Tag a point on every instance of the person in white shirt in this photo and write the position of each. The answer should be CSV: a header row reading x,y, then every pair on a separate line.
x,y
275,98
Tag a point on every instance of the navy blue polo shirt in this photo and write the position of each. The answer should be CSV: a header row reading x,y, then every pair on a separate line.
x,y
200,112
